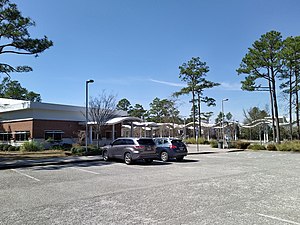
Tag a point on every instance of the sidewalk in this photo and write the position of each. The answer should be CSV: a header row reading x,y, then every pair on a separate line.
x,y
206,149
10,164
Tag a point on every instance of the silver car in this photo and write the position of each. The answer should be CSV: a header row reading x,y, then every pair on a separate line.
x,y
130,149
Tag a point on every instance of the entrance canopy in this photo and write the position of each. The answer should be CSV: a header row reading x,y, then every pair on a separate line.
x,y
123,119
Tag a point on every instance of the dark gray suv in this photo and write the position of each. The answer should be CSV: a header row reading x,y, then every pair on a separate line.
x,y
130,149
167,148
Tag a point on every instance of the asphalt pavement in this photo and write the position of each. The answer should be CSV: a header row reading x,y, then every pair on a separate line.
x,y
11,164
250,187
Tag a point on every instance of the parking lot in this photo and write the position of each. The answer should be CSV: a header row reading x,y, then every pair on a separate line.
x,y
222,188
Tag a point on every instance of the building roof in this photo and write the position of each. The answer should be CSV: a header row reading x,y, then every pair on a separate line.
x,y
12,109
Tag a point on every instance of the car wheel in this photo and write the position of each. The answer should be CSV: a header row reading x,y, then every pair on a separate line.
x,y
179,158
148,160
127,158
164,156
105,155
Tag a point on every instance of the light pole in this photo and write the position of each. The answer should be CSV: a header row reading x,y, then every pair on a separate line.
x,y
87,111
223,133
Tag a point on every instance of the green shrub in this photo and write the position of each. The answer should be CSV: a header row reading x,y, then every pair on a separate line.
x,y
232,144
60,146
5,147
80,150
214,143
271,147
77,150
66,146
12,148
31,146
93,150
202,141
289,146
242,144
256,147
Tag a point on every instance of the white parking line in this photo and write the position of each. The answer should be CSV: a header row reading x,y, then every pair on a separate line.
x,y
279,219
83,170
25,175
123,165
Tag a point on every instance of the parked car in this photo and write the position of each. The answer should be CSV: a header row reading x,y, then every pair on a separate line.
x,y
130,149
168,148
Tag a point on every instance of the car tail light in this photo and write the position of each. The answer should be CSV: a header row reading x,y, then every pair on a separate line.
x,y
138,147
172,146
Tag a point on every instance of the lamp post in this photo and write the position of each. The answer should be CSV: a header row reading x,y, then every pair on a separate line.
x,y
223,133
87,111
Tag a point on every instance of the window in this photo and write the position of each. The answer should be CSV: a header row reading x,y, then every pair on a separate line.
x,y
129,142
55,135
119,142
146,141
22,135
5,136
159,141
108,134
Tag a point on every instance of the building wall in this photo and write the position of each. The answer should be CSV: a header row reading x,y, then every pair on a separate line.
x,y
31,120
17,126
37,128
70,128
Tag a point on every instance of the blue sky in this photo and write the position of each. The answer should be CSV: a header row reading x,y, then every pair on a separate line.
x,y
133,48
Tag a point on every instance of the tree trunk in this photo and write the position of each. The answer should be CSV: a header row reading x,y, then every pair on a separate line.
x,y
297,103
297,114
199,115
194,116
98,141
272,112
290,105
275,108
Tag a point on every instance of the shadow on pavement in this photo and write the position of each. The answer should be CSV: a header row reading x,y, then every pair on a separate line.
x,y
154,163
184,161
72,164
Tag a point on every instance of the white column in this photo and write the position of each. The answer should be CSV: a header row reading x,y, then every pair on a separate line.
x,y
113,132
90,135
131,129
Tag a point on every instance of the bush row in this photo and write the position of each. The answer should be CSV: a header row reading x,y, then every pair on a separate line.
x,y
6,147
284,146
233,144
32,146
293,146
202,141
80,150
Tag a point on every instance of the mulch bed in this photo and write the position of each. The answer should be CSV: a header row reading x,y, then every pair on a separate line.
x,y
7,155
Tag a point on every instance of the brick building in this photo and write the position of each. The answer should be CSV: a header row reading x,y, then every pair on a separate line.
x,y
24,120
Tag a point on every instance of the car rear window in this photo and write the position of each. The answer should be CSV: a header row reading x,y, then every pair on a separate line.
x,y
145,142
129,142
177,142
